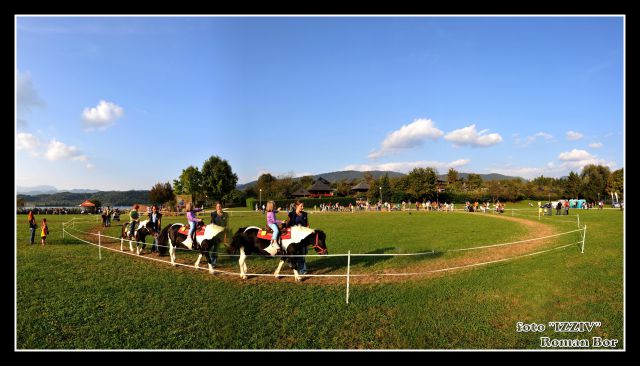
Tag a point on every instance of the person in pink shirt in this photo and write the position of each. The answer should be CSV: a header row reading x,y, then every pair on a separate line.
x,y
193,222
272,222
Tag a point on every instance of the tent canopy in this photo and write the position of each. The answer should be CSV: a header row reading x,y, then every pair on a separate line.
x,y
87,204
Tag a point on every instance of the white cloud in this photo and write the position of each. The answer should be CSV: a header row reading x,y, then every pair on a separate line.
x,y
408,136
574,155
90,166
26,94
544,135
573,160
28,142
103,115
27,97
405,167
469,136
572,135
57,150
595,145
531,139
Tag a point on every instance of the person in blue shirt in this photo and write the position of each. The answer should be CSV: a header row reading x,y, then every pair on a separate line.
x,y
298,217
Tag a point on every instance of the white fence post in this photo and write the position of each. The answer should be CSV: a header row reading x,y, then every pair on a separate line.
x,y
63,231
348,270
584,236
99,247
578,221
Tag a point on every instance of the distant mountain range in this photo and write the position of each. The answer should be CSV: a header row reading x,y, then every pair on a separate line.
x,y
50,190
355,174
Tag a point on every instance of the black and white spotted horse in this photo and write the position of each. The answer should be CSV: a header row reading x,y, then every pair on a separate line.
x,y
207,240
252,240
143,229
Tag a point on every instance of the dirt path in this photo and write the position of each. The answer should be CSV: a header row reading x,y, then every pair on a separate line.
x,y
465,258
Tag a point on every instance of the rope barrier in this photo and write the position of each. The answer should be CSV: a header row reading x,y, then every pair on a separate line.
x,y
363,254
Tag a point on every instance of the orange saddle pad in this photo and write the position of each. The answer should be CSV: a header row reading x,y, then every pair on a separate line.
x,y
263,234
184,231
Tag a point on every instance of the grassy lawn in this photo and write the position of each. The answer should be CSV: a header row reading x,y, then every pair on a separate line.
x,y
67,298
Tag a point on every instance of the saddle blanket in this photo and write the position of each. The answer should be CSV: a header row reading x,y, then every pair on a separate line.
x,y
199,231
263,234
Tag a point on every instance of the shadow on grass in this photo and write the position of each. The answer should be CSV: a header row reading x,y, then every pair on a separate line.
x,y
340,263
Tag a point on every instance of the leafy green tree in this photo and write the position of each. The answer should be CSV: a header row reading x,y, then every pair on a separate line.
x,y
343,187
191,182
615,183
96,202
20,202
306,181
267,183
218,179
386,188
573,185
474,181
594,180
453,179
177,186
235,198
161,193
421,182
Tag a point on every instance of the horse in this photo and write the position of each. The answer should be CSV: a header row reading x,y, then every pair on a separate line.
x,y
207,240
140,234
246,241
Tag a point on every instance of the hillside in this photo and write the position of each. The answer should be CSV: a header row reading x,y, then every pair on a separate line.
x,y
354,174
338,176
110,198
485,177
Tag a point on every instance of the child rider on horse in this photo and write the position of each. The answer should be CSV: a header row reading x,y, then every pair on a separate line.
x,y
273,224
193,222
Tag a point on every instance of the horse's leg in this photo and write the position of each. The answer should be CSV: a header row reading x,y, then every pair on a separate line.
x,y
172,253
296,275
243,265
197,265
207,255
131,245
276,274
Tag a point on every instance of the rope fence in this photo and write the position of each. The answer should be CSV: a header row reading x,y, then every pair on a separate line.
x,y
71,226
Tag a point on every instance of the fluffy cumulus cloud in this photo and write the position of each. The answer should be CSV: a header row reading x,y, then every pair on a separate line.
x,y
469,136
27,142
573,160
574,155
406,166
408,136
595,145
57,150
103,115
573,135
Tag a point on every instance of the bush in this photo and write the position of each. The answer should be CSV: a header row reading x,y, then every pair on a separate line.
x,y
251,203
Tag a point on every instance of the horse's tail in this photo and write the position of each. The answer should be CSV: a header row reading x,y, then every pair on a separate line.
x,y
123,233
236,242
163,242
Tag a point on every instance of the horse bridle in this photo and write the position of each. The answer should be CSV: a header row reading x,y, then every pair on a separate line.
x,y
318,248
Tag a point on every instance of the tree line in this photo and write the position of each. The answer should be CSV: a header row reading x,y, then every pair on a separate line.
x,y
594,182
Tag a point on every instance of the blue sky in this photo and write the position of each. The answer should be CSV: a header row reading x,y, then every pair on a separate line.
x,y
118,103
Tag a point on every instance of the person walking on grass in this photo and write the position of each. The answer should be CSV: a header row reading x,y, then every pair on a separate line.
x,y
32,226
45,232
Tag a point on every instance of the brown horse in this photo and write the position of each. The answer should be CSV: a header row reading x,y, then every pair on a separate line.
x,y
246,241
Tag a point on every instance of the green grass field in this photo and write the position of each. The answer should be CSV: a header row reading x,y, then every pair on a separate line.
x,y
67,298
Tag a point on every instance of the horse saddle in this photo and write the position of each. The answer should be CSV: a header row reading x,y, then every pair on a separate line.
x,y
268,234
185,230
